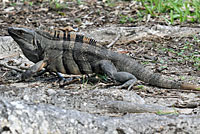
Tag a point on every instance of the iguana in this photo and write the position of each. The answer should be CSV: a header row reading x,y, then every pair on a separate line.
x,y
71,53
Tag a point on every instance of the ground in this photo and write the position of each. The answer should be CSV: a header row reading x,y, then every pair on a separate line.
x,y
170,50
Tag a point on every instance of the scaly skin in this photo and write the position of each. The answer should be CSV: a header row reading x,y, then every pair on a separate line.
x,y
65,52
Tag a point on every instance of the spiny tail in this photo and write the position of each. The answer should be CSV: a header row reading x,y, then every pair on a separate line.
x,y
157,79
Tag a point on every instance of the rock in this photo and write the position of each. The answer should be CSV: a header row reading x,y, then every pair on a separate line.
x,y
21,117
51,92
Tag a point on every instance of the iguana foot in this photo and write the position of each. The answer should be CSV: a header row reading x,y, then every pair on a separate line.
x,y
64,80
28,74
129,84
61,78
33,70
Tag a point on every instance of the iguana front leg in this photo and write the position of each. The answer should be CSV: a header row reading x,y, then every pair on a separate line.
x,y
34,69
109,69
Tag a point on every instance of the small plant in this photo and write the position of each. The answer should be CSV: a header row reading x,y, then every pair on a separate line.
x,y
56,5
182,78
160,112
13,4
84,81
110,3
30,3
140,86
79,2
125,19
196,39
77,20
103,77
145,62
61,13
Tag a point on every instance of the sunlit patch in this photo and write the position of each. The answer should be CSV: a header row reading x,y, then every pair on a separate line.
x,y
61,34
72,37
86,40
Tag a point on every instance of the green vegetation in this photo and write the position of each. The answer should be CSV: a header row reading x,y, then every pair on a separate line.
x,y
145,62
30,3
84,81
164,112
56,5
103,77
125,19
110,3
140,86
182,78
187,53
171,10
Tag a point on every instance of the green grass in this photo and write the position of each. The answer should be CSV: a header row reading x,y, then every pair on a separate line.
x,y
165,113
103,77
172,10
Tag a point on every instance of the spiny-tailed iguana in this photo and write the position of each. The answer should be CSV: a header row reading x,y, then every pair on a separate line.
x,y
70,53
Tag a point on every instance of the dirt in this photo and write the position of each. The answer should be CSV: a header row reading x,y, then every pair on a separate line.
x,y
170,50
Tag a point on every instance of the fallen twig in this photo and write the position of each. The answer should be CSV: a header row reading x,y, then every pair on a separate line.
x,y
131,107
129,41
70,82
12,68
114,41
8,56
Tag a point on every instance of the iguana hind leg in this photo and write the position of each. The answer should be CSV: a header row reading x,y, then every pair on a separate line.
x,y
109,69
34,69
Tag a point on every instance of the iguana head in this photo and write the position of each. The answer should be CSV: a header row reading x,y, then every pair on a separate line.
x,y
26,39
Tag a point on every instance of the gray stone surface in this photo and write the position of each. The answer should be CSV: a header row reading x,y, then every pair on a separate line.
x,y
32,118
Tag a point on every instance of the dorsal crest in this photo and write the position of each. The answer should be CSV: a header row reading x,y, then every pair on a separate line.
x,y
66,34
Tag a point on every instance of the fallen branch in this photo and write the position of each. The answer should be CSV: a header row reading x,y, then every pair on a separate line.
x,y
12,68
130,107
69,82
3,56
114,41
